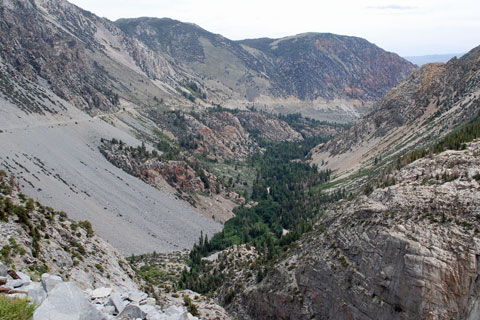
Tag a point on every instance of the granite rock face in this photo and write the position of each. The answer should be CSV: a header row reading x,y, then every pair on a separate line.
x,y
67,301
408,251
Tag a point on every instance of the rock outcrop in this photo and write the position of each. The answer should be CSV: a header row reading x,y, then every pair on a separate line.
x,y
186,176
88,278
231,135
221,135
269,127
56,299
408,251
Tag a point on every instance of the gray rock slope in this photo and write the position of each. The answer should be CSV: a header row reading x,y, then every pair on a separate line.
x,y
407,251
56,156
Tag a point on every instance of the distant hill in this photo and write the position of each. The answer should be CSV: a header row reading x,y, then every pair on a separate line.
x,y
432,58
322,75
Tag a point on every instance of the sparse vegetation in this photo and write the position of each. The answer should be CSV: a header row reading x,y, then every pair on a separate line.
x,y
454,141
16,309
191,307
99,267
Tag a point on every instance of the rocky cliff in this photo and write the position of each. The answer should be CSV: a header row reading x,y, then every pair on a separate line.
x,y
221,134
269,127
408,251
186,177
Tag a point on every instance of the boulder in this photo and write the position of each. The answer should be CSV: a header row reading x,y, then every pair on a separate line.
x,y
17,283
101,293
50,281
18,295
36,293
117,301
152,312
109,309
131,312
137,297
23,276
187,316
175,313
67,301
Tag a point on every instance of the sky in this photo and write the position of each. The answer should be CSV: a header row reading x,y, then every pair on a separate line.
x,y
406,27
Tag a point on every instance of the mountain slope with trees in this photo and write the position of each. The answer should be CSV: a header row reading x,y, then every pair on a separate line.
x,y
426,106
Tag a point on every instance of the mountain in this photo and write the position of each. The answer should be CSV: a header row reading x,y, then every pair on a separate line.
x,y
60,66
433,58
94,63
402,243
83,59
427,105
56,157
325,76
153,132
69,79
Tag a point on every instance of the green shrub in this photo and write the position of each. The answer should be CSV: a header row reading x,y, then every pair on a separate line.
x,y
191,307
87,226
30,206
5,254
15,309
99,267
229,297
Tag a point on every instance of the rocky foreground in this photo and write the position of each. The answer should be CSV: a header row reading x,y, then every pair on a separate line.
x,y
57,299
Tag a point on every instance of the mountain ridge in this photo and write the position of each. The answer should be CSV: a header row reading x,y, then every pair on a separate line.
x,y
105,63
316,66
432,101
